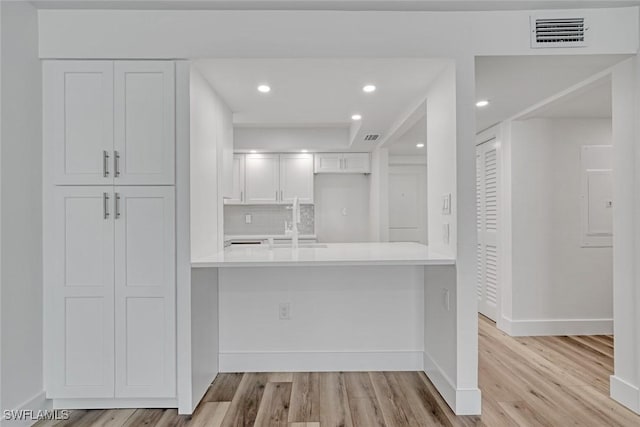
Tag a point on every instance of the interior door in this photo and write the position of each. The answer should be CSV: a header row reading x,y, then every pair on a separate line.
x,y
82,291
487,181
296,177
144,123
407,204
145,291
78,117
262,183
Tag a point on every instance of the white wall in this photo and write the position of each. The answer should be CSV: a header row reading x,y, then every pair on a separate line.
x,y
21,200
287,139
343,314
342,207
209,144
441,160
553,277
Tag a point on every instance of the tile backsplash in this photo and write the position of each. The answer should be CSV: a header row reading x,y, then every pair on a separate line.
x,y
265,219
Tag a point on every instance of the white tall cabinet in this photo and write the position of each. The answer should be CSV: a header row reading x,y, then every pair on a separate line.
x,y
109,227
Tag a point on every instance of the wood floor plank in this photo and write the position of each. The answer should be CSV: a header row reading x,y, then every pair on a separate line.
x,y
363,404
422,401
224,387
305,397
274,408
305,424
281,377
144,417
113,417
395,411
334,402
170,418
209,414
245,403
522,414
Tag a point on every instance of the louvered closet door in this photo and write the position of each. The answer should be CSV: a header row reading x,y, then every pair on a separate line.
x,y
487,173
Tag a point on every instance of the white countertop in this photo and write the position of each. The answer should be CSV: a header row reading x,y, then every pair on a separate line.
x,y
265,236
331,254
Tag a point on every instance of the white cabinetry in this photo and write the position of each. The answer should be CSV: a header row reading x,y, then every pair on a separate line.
x,y
237,180
144,147
262,182
272,178
342,163
109,245
144,291
111,122
296,178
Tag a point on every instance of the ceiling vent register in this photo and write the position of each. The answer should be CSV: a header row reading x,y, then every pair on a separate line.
x,y
372,137
558,32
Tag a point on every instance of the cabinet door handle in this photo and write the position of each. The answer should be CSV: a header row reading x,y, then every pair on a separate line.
x,y
341,163
116,163
344,163
281,196
117,205
276,195
105,163
242,196
105,205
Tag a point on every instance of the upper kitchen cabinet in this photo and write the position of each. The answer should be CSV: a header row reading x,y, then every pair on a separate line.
x,y
78,120
144,117
262,181
110,122
237,181
296,178
342,163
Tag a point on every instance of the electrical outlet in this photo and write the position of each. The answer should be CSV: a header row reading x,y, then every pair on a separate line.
x,y
248,219
344,211
445,234
284,311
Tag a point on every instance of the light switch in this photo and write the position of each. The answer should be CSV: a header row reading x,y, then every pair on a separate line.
x,y
247,219
445,234
446,204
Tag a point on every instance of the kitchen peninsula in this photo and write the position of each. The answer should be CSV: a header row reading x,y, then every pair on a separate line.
x,y
331,307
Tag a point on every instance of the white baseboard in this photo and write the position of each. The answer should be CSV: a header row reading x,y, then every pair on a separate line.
x,y
461,401
321,361
625,393
113,403
541,327
39,402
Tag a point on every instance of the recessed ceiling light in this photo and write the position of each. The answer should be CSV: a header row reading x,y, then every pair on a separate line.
x,y
482,103
369,88
264,89
420,145
253,151
305,151
356,117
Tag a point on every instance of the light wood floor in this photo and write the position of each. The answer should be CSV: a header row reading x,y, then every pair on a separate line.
x,y
533,381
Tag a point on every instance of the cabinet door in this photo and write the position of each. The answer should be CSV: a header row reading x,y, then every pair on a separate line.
x,y
144,123
356,163
145,292
81,322
78,120
328,163
262,178
237,193
296,177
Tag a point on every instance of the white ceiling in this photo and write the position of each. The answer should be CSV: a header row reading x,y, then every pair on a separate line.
x,y
322,92
405,144
515,83
593,102
402,5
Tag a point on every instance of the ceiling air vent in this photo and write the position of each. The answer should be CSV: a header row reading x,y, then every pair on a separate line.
x,y
372,137
558,32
